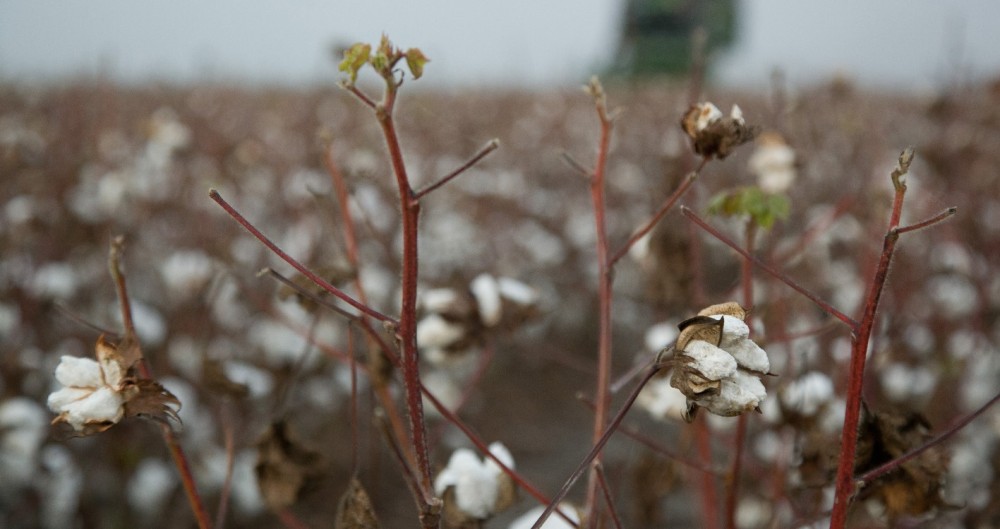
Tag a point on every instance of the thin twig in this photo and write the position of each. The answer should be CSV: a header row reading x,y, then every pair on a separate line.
x,y
944,215
653,445
608,500
169,437
350,87
487,149
781,276
576,165
214,195
585,463
660,213
227,483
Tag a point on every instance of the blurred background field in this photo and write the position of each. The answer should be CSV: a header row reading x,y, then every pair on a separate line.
x,y
85,159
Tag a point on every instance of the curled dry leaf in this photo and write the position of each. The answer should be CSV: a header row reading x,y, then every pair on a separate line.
x,y
146,398
285,469
355,510
916,486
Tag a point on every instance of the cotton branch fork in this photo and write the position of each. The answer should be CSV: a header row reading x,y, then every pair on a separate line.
x,y
845,483
214,195
129,339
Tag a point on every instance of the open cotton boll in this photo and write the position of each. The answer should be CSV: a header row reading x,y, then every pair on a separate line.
x,y
438,299
476,481
713,363
749,356
808,394
661,400
517,292
433,331
527,520
738,395
486,290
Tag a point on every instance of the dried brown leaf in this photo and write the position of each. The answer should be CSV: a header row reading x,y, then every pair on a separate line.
x,y
285,469
916,486
355,510
147,399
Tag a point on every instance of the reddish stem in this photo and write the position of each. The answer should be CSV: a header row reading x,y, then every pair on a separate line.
x,y
844,482
410,213
169,437
602,397
608,500
598,446
214,195
660,213
781,276
490,147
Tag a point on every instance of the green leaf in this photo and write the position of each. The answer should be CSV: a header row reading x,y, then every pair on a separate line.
x,y
765,209
415,61
354,59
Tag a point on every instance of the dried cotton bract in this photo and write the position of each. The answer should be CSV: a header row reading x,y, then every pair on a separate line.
x,y
716,364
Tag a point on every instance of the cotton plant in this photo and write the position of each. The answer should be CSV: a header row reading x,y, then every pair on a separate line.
x,y
716,364
474,489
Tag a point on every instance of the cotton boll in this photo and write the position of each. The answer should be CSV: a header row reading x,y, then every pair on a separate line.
x,y
750,356
487,293
433,331
186,272
713,363
257,381
660,336
808,394
661,400
60,487
527,520
517,292
149,323
444,389
150,487
438,300
24,425
476,482
55,281
738,395
903,383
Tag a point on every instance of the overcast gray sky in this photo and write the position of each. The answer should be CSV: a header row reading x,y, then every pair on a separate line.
x,y
905,43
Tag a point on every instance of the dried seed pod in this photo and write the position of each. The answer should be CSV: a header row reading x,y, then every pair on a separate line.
x,y
355,510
